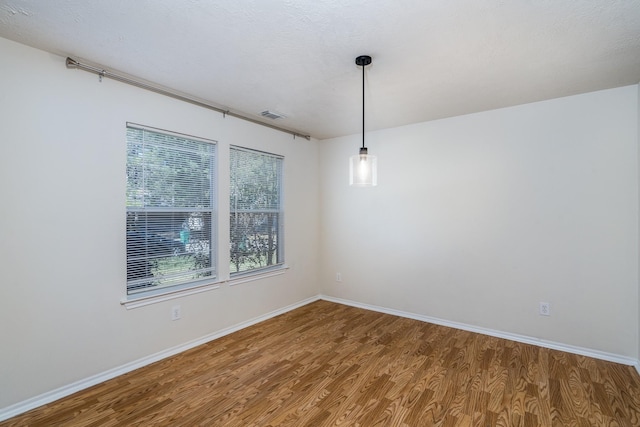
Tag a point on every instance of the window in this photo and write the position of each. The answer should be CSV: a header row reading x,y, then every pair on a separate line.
x,y
170,210
256,211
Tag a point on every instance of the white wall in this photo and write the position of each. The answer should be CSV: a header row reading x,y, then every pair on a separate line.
x,y
62,226
476,219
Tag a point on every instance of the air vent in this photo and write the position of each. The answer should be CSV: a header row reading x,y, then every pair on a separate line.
x,y
272,115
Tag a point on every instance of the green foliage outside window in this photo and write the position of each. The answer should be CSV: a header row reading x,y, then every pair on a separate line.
x,y
255,210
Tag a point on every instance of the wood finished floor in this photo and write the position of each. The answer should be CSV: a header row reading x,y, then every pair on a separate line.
x,y
327,364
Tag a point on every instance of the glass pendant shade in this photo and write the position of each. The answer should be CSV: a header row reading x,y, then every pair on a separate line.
x,y
363,169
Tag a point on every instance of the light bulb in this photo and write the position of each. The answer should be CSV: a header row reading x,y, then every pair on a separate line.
x,y
363,168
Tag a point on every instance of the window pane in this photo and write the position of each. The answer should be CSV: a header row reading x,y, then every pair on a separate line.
x,y
254,240
169,210
256,212
163,174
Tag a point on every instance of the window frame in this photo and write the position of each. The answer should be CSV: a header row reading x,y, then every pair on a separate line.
x,y
154,294
236,277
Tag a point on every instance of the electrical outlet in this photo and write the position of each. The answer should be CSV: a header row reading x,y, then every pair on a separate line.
x,y
176,312
545,309
338,277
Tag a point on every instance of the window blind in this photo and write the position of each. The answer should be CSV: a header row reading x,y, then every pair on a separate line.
x,y
170,209
256,210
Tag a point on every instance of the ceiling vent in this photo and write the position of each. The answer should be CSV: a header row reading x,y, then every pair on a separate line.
x,y
272,115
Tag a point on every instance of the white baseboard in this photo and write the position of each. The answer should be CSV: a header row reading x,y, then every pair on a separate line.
x,y
53,395
597,354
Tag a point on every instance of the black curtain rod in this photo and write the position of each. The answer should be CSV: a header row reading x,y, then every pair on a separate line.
x,y
72,63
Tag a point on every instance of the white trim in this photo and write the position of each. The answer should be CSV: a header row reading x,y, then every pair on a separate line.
x,y
53,395
59,393
138,126
258,275
133,302
596,354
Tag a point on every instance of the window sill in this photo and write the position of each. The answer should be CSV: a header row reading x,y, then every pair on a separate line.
x,y
130,302
250,277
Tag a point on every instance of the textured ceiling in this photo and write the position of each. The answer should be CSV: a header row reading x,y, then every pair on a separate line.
x,y
431,58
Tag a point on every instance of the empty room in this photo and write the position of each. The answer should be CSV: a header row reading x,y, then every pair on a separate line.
x,y
319,213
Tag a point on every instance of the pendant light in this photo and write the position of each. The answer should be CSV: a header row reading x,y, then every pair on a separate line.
x,y
363,166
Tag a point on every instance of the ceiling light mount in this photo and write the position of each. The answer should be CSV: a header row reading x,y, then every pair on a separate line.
x,y
363,60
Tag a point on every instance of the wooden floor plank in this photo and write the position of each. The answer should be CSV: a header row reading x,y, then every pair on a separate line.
x,y
327,364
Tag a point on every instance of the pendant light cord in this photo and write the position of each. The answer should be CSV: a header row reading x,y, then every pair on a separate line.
x,y
363,66
363,61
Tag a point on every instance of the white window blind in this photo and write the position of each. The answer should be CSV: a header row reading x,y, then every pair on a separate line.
x,y
256,211
170,209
